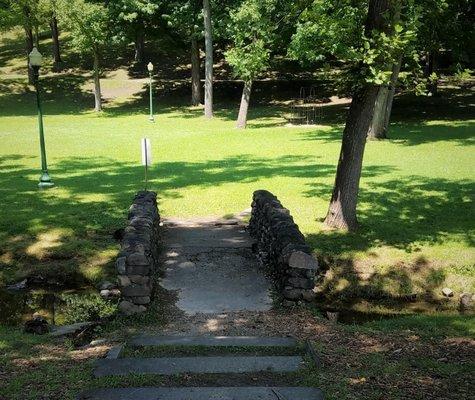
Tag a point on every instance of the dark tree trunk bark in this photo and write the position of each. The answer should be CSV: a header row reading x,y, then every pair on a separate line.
x,y
139,46
376,128
430,67
55,37
208,60
195,73
97,84
244,107
392,91
29,47
342,210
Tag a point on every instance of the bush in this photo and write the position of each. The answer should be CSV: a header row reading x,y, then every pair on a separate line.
x,y
86,307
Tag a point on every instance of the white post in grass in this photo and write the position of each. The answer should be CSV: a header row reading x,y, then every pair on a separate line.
x,y
146,158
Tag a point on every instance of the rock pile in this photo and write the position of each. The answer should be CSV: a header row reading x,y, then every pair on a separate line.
x,y
139,253
281,248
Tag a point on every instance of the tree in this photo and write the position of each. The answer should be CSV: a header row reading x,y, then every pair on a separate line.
x,y
251,31
185,18
338,29
132,18
55,33
447,26
88,23
342,210
208,59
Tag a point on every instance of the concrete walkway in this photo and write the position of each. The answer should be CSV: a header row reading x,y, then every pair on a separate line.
x,y
209,263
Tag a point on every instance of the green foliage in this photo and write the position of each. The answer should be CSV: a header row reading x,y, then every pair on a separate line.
x,y
336,30
86,307
185,17
252,31
326,30
131,16
88,24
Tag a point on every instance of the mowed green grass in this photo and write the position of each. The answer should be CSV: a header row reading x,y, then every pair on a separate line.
x,y
415,203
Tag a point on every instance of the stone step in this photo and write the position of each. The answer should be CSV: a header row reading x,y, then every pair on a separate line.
x,y
205,393
196,365
213,341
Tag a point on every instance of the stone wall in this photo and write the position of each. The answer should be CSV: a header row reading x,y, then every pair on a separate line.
x,y
281,248
138,257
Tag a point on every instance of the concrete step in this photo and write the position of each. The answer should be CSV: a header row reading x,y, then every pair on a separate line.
x,y
205,393
212,341
196,365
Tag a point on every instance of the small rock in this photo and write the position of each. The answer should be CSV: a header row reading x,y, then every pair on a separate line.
x,y
301,260
465,300
128,308
309,295
106,285
124,280
447,292
72,329
108,293
121,265
37,325
97,342
19,285
333,316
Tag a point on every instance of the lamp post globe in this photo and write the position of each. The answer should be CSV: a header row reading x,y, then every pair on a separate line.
x,y
35,58
36,61
150,70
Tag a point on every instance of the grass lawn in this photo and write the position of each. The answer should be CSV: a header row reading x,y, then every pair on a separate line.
x,y
416,213
416,200
415,208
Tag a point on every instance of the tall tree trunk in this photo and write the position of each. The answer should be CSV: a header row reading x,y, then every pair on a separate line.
x,y
430,67
342,210
97,84
29,47
37,37
195,73
139,45
376,128
244,107
208,60
55,37
392,91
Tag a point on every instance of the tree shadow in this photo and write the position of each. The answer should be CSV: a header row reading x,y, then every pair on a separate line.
x,y
61,94
66,233
404,214
412,134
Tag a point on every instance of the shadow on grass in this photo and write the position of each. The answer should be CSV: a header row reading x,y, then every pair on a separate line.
x,y
66,233
403,214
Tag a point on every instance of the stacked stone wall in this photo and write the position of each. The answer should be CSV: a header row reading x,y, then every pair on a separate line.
x,y
139,253
281,248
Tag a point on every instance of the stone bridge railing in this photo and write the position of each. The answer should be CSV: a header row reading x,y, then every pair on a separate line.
x,y
139,253
282,249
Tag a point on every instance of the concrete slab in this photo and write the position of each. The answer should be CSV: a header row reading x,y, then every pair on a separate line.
x,y
114,352
196,365
209,235
205,393
212,268
213,341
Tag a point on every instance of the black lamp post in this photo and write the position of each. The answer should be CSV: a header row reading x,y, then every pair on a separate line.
x,y
36,61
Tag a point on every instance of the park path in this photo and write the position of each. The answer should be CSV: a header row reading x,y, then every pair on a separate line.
x,y
209,265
